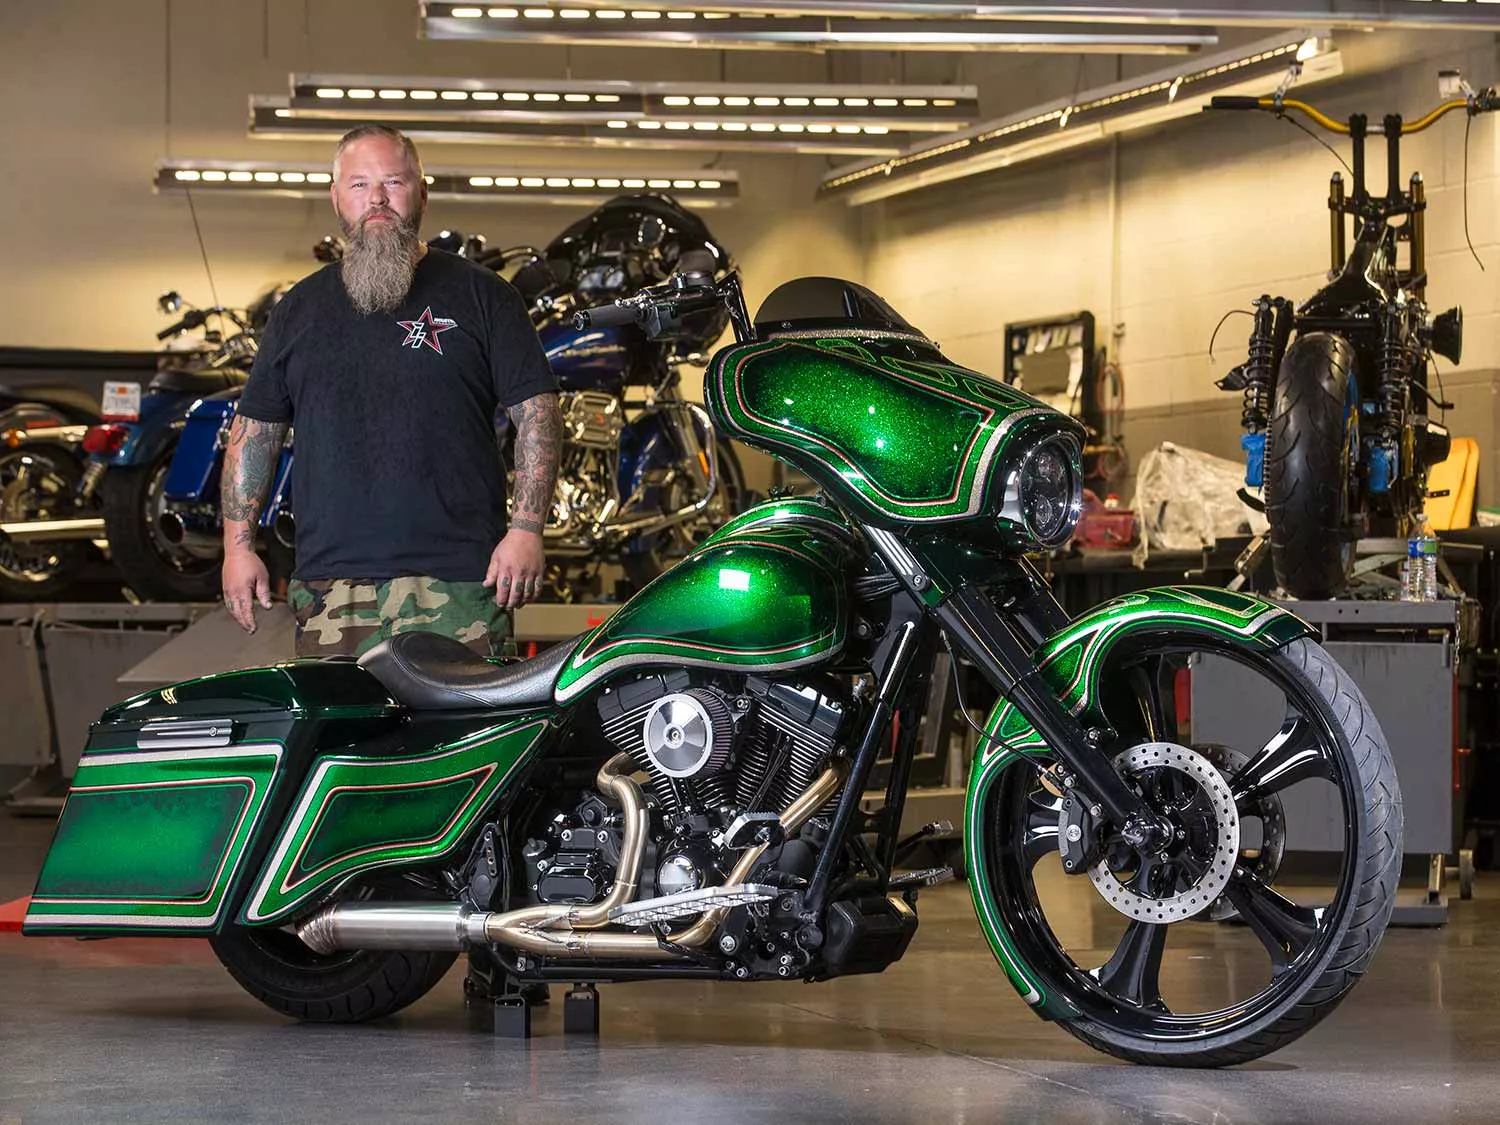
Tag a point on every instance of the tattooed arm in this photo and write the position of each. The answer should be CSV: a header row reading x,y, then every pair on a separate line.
x,y
250,459
516,565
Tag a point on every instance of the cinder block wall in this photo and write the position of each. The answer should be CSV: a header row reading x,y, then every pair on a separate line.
x,y
1192,219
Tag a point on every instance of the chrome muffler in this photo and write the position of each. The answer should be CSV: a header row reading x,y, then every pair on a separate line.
x,y
50,531
552,929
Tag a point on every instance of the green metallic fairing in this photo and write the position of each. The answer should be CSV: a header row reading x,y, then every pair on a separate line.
x,y
893,438
759,599
812,517
1071,662
330,689
152,840
358,814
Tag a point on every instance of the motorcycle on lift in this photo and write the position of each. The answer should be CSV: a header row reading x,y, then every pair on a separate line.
x,y
644,475
121,460
678,792
1338,420
132,450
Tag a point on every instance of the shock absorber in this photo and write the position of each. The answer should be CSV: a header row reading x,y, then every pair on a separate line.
x,y
1273,323
1396,358
1260,372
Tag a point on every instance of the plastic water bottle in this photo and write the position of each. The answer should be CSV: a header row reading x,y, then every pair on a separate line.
x,y
1419,574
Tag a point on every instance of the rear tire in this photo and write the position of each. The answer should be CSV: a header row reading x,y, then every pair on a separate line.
x,y
1310,462
152,567
39,483
350,987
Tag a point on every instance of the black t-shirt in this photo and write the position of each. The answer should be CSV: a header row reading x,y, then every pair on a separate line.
x,y
397,470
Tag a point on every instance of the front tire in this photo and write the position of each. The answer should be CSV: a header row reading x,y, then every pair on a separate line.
x,y
1291,963
668,548
348,987
1311,454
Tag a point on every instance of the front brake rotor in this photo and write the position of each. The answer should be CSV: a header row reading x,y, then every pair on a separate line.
x,y
1192,871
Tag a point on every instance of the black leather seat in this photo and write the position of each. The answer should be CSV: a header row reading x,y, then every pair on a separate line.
x,y
199,380
429,672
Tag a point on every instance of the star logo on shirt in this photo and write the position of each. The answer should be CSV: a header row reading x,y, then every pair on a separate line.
x,y
425,330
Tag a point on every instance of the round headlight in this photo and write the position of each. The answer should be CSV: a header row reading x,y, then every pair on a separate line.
x,y
1051,492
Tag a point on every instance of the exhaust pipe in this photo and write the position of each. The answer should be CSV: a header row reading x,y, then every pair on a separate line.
x,y
175,530
47,531
552,929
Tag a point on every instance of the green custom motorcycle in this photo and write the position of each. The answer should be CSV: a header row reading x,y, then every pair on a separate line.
x,y
677,792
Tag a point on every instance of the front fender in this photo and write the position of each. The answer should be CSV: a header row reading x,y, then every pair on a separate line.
x,y
1071,662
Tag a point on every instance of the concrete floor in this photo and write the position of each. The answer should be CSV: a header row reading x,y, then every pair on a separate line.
x,y
154,1031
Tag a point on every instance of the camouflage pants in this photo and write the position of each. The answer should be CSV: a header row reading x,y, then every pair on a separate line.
x,y
347,617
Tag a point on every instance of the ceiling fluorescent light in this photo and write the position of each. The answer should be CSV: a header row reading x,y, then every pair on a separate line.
x,y
270,119
1477,15
916,28
694,189
907,108
1088,116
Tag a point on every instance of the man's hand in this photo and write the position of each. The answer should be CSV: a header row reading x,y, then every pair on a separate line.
x,y
250,457
515,568
246,581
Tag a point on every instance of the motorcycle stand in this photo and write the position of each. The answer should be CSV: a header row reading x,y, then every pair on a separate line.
x,y
497,1002
581,1011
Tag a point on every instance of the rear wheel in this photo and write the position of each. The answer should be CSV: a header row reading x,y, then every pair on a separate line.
x,y
1311,457
38,483
1150,970
350,986
154,568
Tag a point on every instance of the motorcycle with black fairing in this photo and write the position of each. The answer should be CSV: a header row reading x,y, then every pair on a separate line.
x,y
678,791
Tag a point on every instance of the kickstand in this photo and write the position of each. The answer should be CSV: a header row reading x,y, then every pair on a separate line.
x,y
581,1011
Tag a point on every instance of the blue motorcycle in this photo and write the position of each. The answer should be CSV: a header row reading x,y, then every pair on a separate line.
x,y
132,449
644,475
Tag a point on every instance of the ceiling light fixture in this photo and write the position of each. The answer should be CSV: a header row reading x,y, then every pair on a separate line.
x,y
908,108
717,188
1089,116
270,118
915,28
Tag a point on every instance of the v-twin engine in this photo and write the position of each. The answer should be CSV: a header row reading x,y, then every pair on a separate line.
x,y
710,750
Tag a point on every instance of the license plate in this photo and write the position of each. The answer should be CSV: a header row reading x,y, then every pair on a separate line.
x,y
121,402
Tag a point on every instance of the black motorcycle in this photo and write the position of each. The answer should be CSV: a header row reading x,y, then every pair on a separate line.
x,y
1338,421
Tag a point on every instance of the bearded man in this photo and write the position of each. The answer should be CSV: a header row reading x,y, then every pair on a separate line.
x,y
391,364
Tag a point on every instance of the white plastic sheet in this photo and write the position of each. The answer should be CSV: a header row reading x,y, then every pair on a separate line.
x,y
1186,500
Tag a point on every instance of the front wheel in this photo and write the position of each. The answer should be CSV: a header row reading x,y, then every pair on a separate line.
x,y
667,548
1199,951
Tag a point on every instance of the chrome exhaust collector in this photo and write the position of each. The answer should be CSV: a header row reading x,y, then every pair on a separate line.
x,y
553,929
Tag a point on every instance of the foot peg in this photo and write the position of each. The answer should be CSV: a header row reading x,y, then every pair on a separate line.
x,y
686,904
927,877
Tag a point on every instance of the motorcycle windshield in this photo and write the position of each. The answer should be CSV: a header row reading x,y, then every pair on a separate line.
x,y
840,385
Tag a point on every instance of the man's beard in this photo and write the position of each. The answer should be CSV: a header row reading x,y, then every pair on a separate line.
x,y
379,260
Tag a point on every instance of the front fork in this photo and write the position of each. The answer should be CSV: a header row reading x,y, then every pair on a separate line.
x,y
995,644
